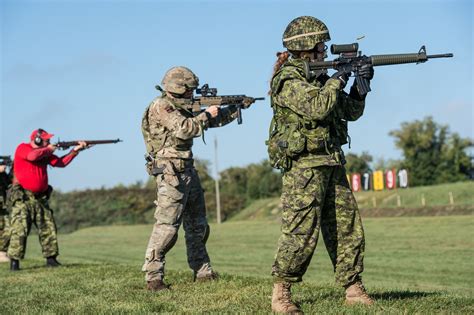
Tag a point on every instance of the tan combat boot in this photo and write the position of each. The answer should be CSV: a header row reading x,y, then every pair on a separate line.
x,y
206,277
156,285
281,299
205,273
4,257
356,294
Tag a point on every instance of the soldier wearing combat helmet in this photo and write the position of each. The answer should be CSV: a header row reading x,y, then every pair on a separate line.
x,y
309,127
168,129
5,182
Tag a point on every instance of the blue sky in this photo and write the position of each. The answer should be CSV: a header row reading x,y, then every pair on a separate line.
x,y
87,70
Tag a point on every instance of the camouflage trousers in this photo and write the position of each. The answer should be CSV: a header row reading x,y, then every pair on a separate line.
x,y
4,230
180,198
315,199
27,209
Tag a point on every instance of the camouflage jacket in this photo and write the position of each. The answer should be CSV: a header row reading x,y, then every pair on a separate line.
x,y
169,128
318,108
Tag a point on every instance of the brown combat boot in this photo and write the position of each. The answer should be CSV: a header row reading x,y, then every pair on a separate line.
x,y
156,285
206,277
205,273
281,299
356,294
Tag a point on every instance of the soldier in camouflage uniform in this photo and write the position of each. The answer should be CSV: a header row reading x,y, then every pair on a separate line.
x,y
309,127
5,181
168,129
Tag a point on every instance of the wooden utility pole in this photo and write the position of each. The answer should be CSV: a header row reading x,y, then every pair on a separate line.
x,y
218,196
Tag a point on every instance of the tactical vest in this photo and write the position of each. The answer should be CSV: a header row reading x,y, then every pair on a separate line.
x,y
158,137
292,136
153,142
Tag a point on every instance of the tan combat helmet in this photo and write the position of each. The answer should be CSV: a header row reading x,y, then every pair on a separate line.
x,y
179,79
304,32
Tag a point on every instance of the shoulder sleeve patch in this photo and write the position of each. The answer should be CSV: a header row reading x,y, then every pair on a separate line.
x,y
169,108
162,105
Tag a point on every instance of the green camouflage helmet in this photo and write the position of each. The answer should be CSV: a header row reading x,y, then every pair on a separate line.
x,y
304,32
179,79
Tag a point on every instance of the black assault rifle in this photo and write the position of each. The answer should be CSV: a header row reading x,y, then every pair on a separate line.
x,y
209,98
6,160
67,144
350,59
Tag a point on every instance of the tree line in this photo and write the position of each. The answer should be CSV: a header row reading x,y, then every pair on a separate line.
x,y
432,154
133,204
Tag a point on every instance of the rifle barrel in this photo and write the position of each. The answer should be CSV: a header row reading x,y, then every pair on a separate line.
x,y
102,141
66,144
396,59
440,56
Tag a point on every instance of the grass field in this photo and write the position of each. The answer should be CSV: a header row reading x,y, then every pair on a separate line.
x,y
413,265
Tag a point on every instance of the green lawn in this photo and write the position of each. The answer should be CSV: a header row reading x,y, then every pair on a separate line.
x,y
413,265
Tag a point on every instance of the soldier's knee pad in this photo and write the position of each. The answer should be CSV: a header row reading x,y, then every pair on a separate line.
x,y
170,241
163,238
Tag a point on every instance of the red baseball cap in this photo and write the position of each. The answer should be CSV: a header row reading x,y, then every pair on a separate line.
x,y
43,134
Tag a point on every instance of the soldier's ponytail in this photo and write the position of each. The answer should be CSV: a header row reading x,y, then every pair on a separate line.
x,y
282,57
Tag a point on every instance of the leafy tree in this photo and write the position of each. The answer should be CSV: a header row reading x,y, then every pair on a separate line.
x,y
456,163
432,154
234,180
358,164
241,185
233,186
384,164
262,181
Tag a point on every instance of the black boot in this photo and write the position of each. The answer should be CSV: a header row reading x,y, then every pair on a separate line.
x,y
52,262
14,264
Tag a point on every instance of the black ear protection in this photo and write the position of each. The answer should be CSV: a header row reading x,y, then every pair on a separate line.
x,y
38,140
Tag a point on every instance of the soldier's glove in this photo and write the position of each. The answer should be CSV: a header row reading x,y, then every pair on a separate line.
x,y
366,72
343,76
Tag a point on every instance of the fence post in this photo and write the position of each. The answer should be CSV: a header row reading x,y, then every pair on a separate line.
x,y
451,198
374,202
423,201
399,201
